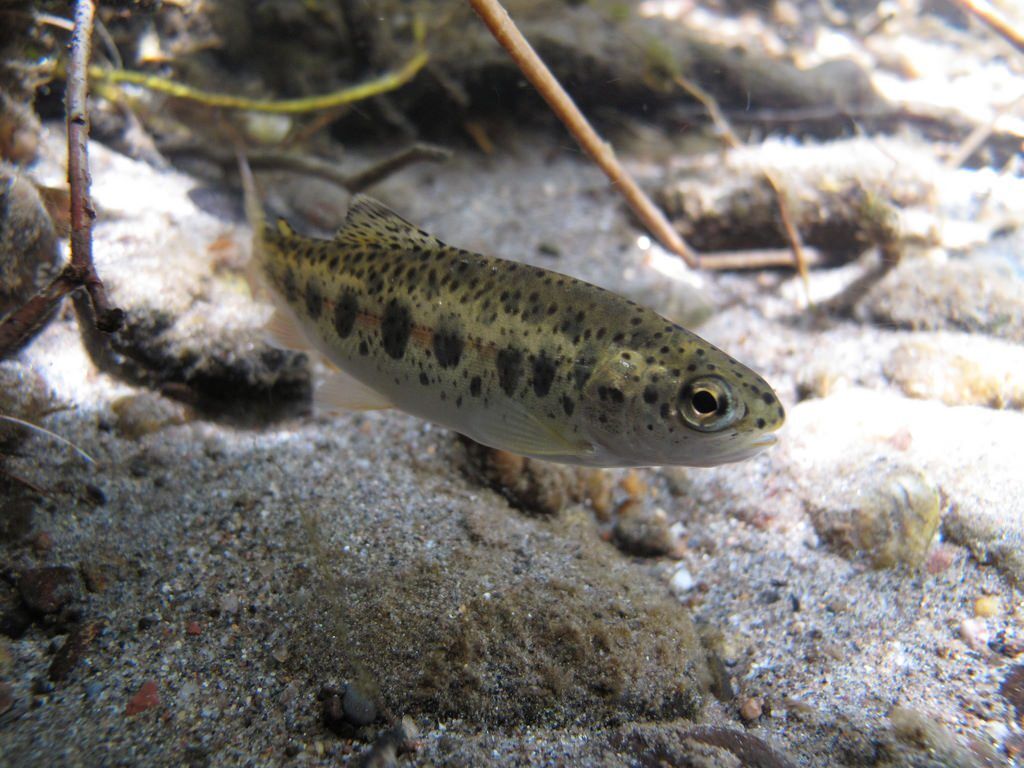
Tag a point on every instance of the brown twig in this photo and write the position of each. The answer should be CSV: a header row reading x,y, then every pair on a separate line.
x,y
505,32
763,258
730,138
108,318
995,20
79,272
314,166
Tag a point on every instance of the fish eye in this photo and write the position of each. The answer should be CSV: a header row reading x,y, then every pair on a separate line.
x,y
707,404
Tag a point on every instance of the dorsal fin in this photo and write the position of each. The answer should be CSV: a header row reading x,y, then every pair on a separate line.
x,y
370,219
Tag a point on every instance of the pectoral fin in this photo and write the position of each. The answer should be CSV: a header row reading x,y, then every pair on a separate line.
x,y
520,431
341,392
284,331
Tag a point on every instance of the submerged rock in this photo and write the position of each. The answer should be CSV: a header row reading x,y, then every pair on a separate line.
x,y
884,510
192,326
494,636
974,296
141,414
972,455
29,256
960,370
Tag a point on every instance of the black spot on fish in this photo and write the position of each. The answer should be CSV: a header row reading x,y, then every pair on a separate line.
x,y
664,410
582,372
543,374
474,386
424,379
650,395
768,398
510,369
760,423
615,395
568,405
314,301
395,328
364,349
291,289
346,309
448,344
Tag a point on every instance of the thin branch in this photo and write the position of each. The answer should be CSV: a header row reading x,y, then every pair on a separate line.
x,y
314,166
386,82
79,272
44,431
393,163
981,133
766,258
730,138
108,318
505,32
995,20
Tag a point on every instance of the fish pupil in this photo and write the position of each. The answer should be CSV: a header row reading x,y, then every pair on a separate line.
x,y
704,402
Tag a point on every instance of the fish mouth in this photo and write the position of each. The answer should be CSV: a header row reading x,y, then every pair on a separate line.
x,y
752,448
764,441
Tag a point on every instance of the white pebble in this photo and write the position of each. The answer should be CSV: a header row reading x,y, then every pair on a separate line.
x,y
681,582
975,634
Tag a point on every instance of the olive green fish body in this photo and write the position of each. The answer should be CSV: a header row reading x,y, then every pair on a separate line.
x,y
514,356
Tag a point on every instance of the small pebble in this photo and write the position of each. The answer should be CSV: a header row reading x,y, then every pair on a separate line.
x,y
95,576
751,708
682,581
95,495
975,634
42,542
332,710
358,707
229,603
634,487
148,696
939,558
74,648
193,628
640,530
47,590
139,415
987,606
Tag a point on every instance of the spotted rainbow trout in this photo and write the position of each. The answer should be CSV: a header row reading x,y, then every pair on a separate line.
x,y
513,356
